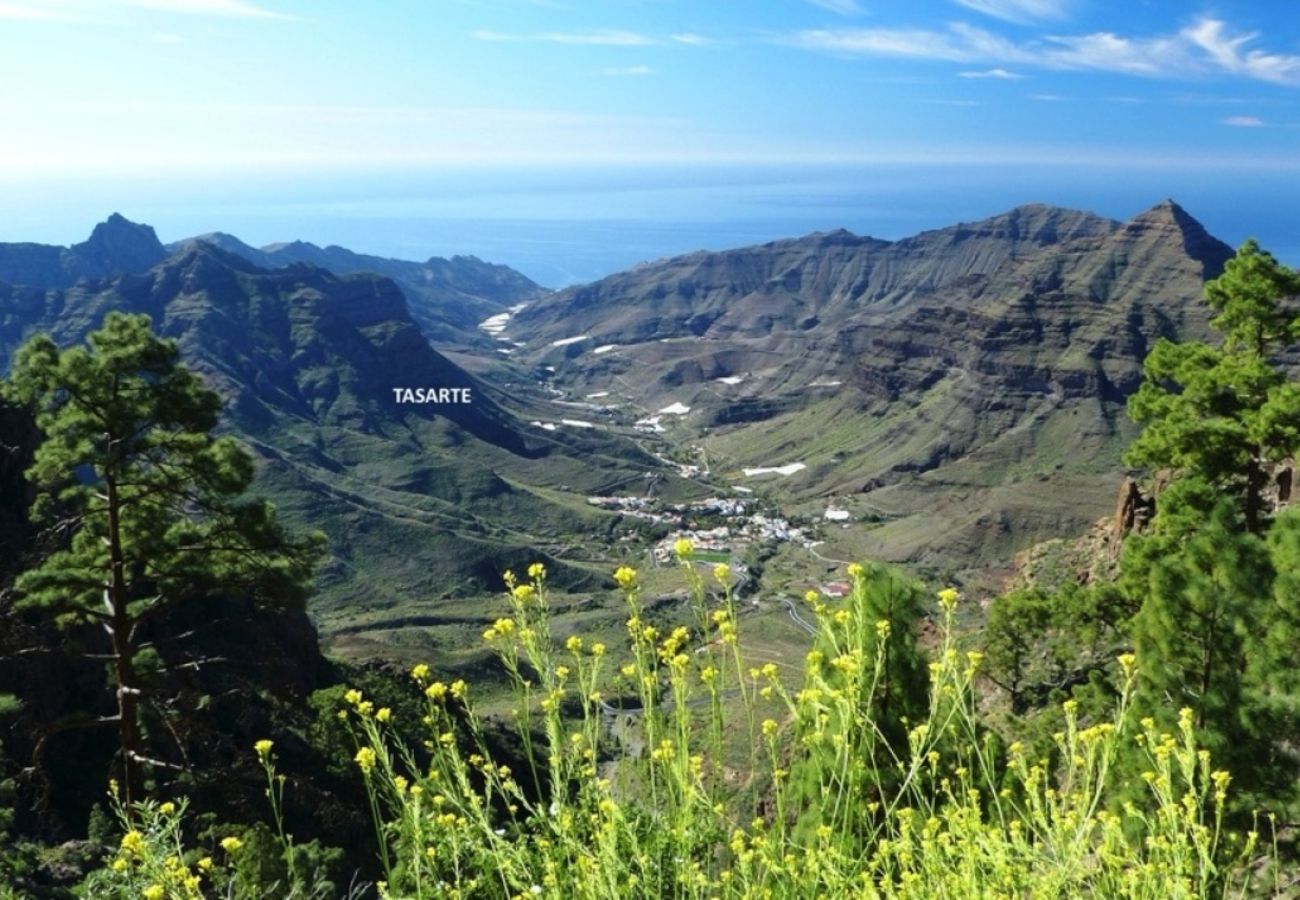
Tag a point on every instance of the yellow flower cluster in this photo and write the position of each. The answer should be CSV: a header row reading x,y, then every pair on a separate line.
x,y
365,759
625,576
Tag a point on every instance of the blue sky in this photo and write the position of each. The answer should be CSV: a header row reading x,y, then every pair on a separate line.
x,y
195,99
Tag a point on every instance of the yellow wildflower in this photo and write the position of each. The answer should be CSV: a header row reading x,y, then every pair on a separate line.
x,y
263,747
231,844
365,758
625,576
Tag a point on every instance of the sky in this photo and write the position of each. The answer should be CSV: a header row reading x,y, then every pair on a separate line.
x,y
398,125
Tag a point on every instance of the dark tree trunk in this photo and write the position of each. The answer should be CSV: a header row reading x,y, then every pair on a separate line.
x,y
119,628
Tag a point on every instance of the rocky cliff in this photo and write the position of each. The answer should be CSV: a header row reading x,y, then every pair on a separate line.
x,y
962,389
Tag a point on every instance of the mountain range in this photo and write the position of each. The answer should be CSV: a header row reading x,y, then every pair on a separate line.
x,y
959,393
420,501
951,397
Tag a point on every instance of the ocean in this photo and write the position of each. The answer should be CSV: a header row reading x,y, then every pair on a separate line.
x,y
567,225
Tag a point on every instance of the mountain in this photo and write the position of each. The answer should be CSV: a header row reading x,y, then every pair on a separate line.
x,y
420,501
960,393
448,298
116,246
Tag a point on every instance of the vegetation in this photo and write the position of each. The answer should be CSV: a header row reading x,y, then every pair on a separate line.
x,y
1205,596
1083,745
946,813
129,468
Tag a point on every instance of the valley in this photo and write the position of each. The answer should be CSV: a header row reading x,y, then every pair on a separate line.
x,y
942,402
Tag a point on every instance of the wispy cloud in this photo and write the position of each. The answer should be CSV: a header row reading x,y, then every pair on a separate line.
x,y
992,73
842,7
1227,51
1204,48
605,38
960,43
1244,121
228,8
627,71
693,39
1021,12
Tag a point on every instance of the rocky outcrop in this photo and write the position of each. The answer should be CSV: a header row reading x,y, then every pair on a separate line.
x,y
116,246
447,297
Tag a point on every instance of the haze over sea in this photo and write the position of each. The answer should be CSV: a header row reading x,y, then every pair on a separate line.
x,y
574,138
562,226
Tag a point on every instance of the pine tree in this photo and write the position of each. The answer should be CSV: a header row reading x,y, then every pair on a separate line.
x,y
1217,623
1224,414
1192,633
901,696
151,499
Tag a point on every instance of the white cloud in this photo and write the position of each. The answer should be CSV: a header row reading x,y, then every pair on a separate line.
x,y
231,8
1226,50
842,7
692,39
960,43
1205,47
1244,121
992,73
606,38
1107,52
624,71
1021,12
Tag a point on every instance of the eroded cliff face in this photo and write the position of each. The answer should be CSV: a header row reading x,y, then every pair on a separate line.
x,y
963,388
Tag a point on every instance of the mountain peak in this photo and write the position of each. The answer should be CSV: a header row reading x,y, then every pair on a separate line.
x,y
119,245
1169,219
1169,213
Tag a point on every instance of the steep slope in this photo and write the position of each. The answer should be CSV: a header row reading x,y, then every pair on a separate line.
x,y
959,392
419,500
792,284
116,246
448,298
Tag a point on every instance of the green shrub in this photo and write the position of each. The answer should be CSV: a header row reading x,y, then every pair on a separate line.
x,y
741,781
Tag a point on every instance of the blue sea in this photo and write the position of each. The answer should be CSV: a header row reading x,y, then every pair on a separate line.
x,y
566,225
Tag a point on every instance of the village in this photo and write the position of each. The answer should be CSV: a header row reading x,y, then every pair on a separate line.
x,y
720,528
